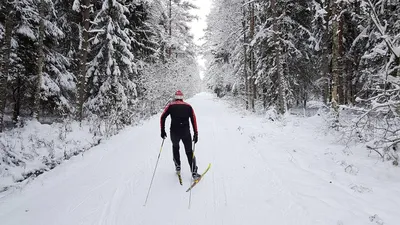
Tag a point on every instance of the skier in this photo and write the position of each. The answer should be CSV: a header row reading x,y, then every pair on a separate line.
x,y
180,112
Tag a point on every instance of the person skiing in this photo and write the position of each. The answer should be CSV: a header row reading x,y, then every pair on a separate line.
x,y
180,112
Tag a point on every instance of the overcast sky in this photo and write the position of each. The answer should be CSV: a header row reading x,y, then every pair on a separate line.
x,y
198,26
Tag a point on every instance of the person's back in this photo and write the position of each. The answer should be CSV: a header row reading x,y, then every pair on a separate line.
x,y
180,112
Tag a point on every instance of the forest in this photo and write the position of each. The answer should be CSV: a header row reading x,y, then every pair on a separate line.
x,y
115,61
344,54
89,68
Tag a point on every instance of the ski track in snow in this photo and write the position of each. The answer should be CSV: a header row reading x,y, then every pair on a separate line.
x,y
262,172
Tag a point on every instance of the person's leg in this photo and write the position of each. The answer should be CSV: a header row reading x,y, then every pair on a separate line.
x,y
187,142
175,150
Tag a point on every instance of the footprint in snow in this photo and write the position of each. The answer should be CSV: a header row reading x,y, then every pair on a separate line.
x,y
375,218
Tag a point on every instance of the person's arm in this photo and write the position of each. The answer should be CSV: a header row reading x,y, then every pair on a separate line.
x,y
193,120
164,116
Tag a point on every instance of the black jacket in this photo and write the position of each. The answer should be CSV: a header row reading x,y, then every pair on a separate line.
x,y
180,112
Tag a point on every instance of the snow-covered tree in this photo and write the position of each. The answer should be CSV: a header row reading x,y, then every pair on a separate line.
x,y
222,50
173,65
144,45
84,8
380,76
55,89
111,72
343,52
6,24
276,39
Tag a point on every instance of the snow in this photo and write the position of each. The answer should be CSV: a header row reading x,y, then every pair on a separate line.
x,y
397,51
292,171
76,6
36,147
27,31
49,86
2,31
315,104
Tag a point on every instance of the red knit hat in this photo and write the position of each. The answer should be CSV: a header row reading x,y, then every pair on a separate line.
x,y
178,95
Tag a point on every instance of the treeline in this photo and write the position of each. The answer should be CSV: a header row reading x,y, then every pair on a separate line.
x,y
281,54
112,59
342,52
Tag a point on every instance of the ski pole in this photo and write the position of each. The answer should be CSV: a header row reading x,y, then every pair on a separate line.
x,y
190,194
154,173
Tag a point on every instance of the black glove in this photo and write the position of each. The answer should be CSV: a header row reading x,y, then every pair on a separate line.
x,y
195,138
163,134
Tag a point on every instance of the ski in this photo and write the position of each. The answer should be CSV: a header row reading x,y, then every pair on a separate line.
x,y
198,180
179,177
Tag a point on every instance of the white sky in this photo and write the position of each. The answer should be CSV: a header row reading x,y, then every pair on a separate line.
x,y
198,26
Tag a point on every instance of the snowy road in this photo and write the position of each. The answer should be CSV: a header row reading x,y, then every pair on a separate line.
x,y
262,173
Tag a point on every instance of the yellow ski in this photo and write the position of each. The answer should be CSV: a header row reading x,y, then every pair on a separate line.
x,y
179,177
198,180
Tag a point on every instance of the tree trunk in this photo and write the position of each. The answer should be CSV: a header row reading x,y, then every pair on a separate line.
x,y
17,99
170,29
353,76
277,54
5,62
40,62
336,55
254,93
85,9
283,88
265,46
325,61
245,57
252,59
343,76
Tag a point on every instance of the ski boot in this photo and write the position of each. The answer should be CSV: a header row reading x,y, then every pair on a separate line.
x,y
178,170
196,177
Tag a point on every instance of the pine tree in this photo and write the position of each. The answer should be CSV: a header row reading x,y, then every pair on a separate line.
x,y
7,16
176,67
54,91
111,71
380,62
222,51
84,7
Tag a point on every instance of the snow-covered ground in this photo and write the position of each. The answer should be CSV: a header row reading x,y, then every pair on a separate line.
x,y
293,171
35,148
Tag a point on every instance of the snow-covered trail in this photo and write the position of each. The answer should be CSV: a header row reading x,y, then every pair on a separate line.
x,y
262,173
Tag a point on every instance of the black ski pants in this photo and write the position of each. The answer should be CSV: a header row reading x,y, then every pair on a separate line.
x,y
186,138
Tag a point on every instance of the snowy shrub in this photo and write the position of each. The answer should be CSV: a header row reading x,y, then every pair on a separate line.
x,y
272,114
379,132
28,151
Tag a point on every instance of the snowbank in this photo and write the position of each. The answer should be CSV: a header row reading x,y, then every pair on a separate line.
x,y
35,148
